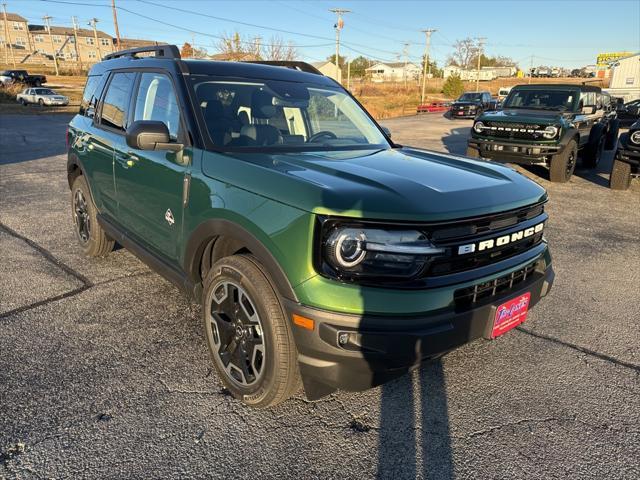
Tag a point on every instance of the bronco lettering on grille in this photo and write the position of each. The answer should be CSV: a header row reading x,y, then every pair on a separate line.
x,y
499,241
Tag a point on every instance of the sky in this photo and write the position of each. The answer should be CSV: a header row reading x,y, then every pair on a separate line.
x,y
562,33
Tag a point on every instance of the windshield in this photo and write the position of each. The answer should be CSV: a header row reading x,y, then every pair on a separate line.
x,y
470,97
245,115
44,91
541,99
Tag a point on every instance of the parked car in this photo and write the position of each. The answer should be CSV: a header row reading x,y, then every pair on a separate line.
x,y
319,249
503,92
547,125
41,96
629,113
627,160
8,77
471,104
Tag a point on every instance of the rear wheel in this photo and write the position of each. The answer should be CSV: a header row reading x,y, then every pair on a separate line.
x,y
248,334
612,134
92,238
564,163
593,151
41,102
620,178
23,102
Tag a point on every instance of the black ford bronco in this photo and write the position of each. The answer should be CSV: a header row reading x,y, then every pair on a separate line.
x,y
627,161
549,125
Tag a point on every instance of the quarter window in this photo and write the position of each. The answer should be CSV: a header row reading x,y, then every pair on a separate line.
x,y
116,102
156,100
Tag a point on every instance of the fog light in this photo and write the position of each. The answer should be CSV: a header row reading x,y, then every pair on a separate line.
x,y
343,338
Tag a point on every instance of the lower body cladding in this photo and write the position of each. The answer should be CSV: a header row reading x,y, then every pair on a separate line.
x,y
357,352
512,152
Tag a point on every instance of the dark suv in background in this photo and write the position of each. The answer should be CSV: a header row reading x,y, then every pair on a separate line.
x,y
548,125
471,104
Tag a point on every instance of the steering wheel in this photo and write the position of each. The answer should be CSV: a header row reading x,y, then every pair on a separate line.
x,y
323,133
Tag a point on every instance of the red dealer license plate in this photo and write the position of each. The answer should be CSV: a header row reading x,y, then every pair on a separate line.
x,y
460,113
511,314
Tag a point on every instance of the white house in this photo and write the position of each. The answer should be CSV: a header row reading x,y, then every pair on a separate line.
x,y
394,72
625,78
486,73
328,69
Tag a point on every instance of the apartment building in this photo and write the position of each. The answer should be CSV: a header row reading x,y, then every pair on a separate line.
x,y
14,32
28,43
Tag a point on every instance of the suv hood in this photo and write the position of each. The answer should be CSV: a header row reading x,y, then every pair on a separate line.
x,y
521,115
395,184
465,103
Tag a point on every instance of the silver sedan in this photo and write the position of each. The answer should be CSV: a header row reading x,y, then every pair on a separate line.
x,y
41,96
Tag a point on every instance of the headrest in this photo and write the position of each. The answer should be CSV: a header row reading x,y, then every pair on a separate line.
x,y
243,118
262,105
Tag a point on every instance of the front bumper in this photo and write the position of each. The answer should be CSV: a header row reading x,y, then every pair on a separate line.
x,y
629,156
56,103
463,112
512,152
380,348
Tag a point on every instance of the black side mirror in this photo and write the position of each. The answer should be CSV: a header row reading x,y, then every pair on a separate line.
x,y
386,131
150,135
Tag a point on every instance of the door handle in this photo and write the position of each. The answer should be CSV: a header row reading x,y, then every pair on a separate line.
x,y
127,160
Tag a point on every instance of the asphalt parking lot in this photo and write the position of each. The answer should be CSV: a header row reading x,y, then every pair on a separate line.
x,y
104,372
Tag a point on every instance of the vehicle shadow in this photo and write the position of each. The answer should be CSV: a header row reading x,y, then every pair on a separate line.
x,y
595,175
413,435
456,141
20,142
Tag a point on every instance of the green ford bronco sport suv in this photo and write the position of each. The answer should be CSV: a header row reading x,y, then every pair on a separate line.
x,y
321,252
548,125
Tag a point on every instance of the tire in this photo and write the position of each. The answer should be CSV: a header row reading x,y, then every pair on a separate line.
x,y
92,238
248,333
473,153
23,102
564,163
41,102
620,177
594,150
612,135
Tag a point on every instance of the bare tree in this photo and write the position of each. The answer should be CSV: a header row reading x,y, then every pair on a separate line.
x,y
277,49
235,46
463,53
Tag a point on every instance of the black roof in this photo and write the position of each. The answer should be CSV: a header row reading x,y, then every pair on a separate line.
x,y
169,59
559,86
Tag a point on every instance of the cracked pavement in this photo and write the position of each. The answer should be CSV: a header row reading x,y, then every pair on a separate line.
x,y
104,372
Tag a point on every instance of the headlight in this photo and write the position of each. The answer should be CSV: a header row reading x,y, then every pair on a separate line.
x,y
478,127
550,132
353,252
635,137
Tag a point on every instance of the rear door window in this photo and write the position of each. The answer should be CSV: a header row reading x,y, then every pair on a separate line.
x,y
115,106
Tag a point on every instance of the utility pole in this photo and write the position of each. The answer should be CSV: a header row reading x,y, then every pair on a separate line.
x,y
349,75
258,47
115,21
427,46
405,52
93,22
480,53
74,20
7,41
338,26
46,19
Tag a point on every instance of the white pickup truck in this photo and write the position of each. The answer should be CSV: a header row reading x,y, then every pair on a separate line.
x,y
41,96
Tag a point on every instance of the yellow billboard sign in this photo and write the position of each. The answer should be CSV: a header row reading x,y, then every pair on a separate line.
x,y
603,59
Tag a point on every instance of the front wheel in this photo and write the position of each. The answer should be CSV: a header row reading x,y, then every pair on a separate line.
x,y
41,102
248,333
564,163
620,178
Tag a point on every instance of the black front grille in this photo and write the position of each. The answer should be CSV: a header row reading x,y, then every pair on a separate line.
x,y
466,297
452,236
513,130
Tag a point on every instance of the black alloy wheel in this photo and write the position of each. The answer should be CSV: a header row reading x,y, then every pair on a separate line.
x,y
81,216
237,333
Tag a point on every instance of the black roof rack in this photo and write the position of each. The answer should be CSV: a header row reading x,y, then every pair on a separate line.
x,y
164,51
301,66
